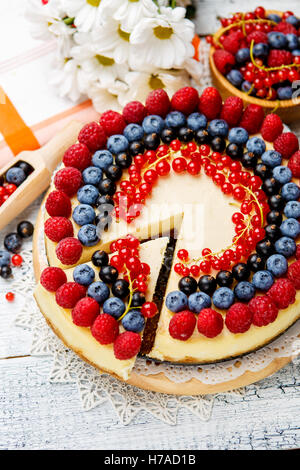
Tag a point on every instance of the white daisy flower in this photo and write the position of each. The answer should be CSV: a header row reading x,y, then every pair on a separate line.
x,y
128,12
107,98
111,39
70,79
42,16
87,13
101,67
140,84
163,41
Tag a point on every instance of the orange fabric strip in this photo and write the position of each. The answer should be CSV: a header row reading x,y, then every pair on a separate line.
x,y
196,42
17,135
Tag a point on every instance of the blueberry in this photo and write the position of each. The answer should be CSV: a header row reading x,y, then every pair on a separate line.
x,y
290,228
238,135
16,176
277,265
290,192
242,55
263,280
223,298
92,175
292,40
88,235
114,307
256,145
98,291
260,50
197,121
88,194
293,20
282,174
153,123
134,321
285,246
244,291
117,144
218,128
235,77
133,132
277,40
271,158
13,242
285,93
84,274
198,301
296,52
84,214
176,301
247,86
274,17
292,209
102,159
4,258
175,119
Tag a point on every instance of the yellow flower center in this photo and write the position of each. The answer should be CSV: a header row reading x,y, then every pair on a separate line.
x,y
105,61
133,1
123,34
93,3
155,82
162,32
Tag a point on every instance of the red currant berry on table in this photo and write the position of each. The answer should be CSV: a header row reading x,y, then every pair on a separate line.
x,y
10,297
17,260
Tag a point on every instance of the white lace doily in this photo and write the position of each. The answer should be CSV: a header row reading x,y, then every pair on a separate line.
x,y
96,389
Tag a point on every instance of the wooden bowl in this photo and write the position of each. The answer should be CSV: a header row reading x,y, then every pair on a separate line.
x,y
288,110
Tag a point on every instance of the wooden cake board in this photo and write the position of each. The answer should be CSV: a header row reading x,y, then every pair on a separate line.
x,y
159,382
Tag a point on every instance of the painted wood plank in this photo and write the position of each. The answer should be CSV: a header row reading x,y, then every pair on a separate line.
x,y
209,11
38,415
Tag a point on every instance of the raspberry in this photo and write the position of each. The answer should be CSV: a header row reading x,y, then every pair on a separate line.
x,y
85,312
68,180
224,61
69,294
210,103
271,128
232,110
285,28
112,122
93,136
277,57
53,278
182,325
282,293
134,112
252,118
298,252
293,274
127,345
264,311
69,251
294,164
231,42
210,323
185,100
57,228
286,144
238,318
58,204
257,36
77,156
158,103
105,329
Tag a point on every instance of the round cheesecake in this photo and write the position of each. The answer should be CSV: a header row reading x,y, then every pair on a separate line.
x,y
172,233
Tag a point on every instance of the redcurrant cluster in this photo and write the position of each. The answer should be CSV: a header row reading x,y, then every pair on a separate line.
x,y
6,190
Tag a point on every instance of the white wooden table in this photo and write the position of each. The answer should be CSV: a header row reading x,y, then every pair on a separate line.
x,y
35,414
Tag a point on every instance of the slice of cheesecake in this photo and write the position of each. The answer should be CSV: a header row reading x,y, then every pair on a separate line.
x,y
80,339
